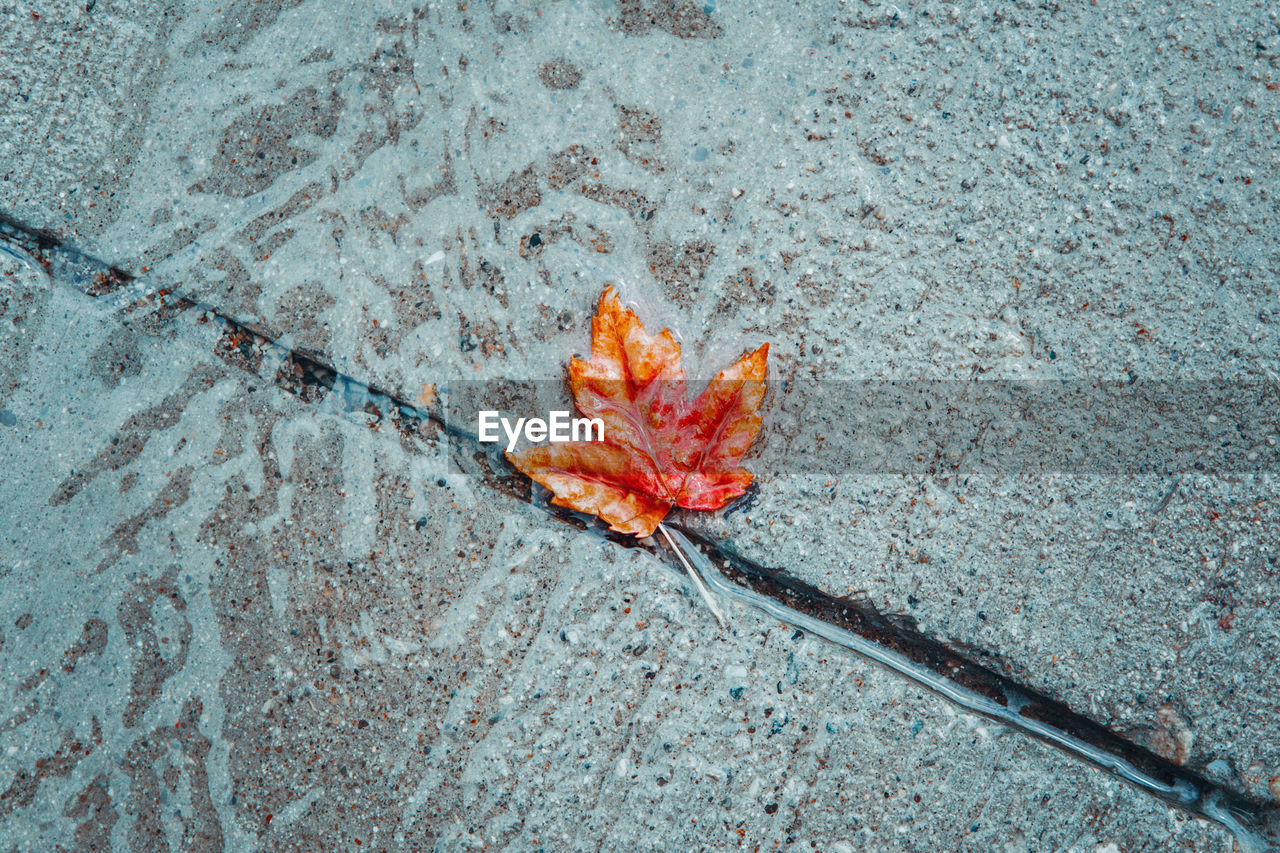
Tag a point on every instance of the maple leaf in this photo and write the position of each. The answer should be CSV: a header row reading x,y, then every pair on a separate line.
x,y
659,450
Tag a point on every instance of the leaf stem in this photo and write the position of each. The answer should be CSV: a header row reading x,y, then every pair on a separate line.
x,y
697,581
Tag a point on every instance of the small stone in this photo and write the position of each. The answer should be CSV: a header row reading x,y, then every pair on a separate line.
x,y
1173,739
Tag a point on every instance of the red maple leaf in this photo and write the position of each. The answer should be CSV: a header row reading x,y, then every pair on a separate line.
x,y
659,450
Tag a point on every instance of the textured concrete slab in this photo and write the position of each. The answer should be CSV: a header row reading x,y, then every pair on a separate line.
x,y
233,620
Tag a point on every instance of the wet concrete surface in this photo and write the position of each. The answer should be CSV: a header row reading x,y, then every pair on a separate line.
x,y
231,619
